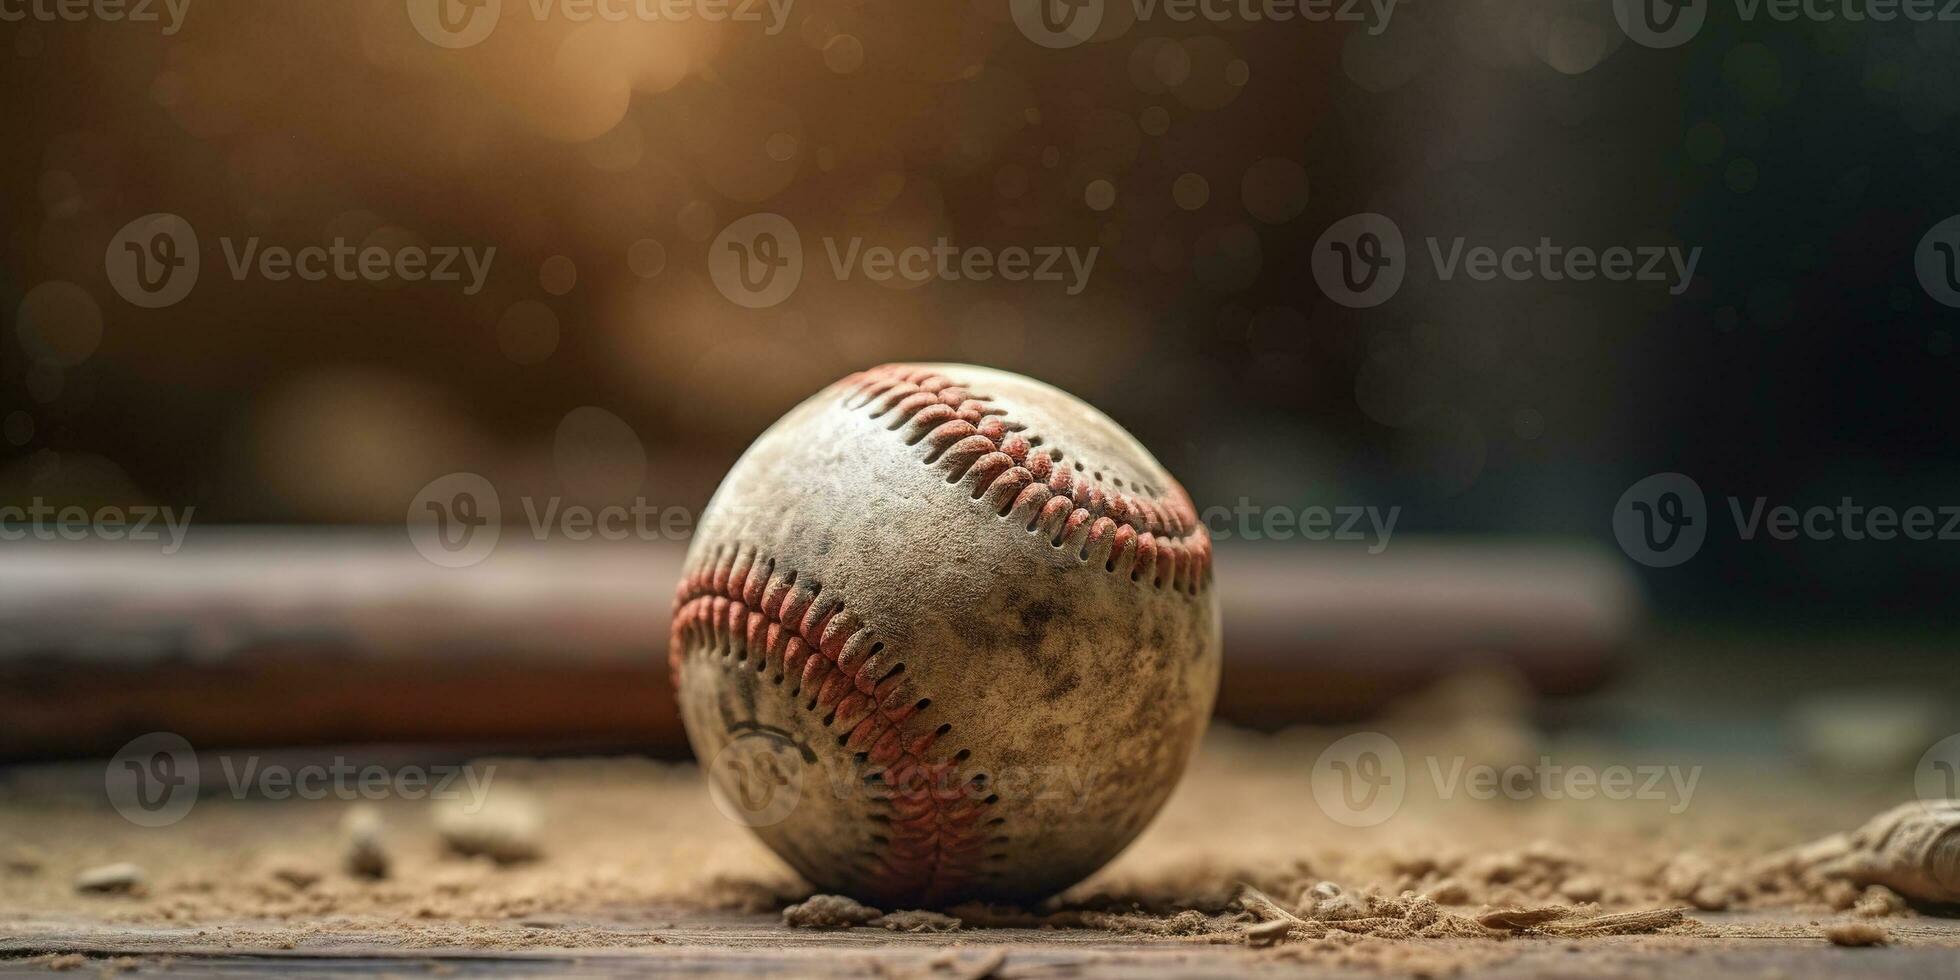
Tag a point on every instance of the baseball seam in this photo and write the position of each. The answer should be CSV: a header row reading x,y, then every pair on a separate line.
x,y
744,606
1156,540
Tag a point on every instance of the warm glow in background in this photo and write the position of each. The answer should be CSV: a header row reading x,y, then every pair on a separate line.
x,y
1204,160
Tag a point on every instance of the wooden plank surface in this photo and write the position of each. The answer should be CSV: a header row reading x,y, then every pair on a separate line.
x,y
639,872
759,945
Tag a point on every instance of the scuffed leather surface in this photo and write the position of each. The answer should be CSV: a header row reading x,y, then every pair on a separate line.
x,y
1090,688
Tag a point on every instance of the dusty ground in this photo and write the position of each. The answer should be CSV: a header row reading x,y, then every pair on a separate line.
x,y
633,860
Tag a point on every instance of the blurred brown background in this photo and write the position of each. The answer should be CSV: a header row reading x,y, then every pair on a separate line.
x,y
598,362
600,159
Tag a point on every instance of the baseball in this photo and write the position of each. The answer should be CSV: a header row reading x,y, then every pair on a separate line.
x,y
946,633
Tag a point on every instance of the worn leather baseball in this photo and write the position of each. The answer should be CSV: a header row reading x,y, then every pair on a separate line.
x,y
946,633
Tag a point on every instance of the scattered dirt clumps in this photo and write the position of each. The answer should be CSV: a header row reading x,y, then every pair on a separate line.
x,y
917,920
364,848
122,878
1857,934
829,912
505,827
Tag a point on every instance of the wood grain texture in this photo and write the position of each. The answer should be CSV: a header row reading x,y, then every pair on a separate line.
x,y
758,945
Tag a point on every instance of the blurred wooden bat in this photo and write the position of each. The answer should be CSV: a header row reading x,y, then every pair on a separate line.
x,y
287,636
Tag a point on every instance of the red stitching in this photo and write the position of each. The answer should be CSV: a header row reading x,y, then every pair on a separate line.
x,y
1158,539
748,607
